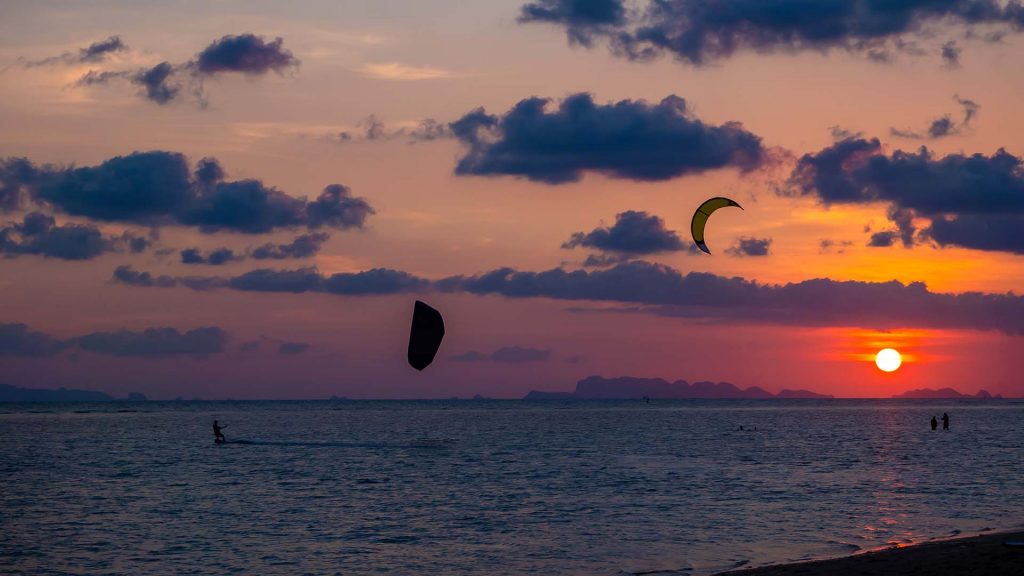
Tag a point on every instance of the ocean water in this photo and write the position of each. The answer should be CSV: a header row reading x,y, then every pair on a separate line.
x,y
493,487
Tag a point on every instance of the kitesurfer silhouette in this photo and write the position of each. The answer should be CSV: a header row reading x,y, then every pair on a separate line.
x,y
935,423
425,336
945,421
700,218
218,436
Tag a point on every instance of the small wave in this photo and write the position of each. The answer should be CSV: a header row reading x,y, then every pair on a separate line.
x,y
422,444
850,546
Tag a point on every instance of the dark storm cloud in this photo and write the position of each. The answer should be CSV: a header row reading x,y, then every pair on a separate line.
x,y
143,187
95,52
98,50
998,232
703,31
750,247
580,14
192,256
506,355
155,342
703,295
157,83
905,230
626,139
375,281
882,239
40,235
944,126
160,84
151,188
129,276
267,280
337,208
302,247
245,53
19,340
247,206
217,257
16,175
209,171
633,232
974,201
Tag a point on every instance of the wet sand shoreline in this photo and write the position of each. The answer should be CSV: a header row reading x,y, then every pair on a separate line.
x,y
981,555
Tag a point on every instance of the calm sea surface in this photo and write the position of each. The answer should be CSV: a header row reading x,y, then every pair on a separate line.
x,y
493,487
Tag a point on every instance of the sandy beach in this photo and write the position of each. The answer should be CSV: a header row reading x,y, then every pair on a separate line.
x,y
984,555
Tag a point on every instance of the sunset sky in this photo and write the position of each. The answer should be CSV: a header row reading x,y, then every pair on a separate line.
x,y
528,168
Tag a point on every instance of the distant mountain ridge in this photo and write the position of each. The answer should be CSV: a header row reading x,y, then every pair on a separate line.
x,y
601,388
15,394
946,393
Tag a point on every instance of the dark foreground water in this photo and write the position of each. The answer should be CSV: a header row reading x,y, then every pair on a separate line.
x,y
493,487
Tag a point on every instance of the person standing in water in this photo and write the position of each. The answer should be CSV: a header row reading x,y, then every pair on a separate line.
x,y
935,423
218,436
945,421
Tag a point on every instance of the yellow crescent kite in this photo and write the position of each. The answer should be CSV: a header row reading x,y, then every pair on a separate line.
x,y
700,218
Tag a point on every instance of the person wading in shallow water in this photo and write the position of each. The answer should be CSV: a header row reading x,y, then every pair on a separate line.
x,y
218,436
935,423
945,421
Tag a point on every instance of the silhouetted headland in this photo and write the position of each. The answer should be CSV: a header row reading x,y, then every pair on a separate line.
x,y
624,388
15,394
946,393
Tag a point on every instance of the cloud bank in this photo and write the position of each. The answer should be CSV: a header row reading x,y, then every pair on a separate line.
x,y
303,246
749,246
700,32
659,289
626,139
972,201
247,54
39,234
154,188
633,233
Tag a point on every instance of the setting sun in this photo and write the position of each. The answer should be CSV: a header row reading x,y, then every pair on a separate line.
x,y
888,360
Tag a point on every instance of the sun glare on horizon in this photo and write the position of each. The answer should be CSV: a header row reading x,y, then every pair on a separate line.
x,y
888,360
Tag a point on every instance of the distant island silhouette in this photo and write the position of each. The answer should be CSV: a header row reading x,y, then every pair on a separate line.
x,y
626,387
589,388
10,393
946,393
